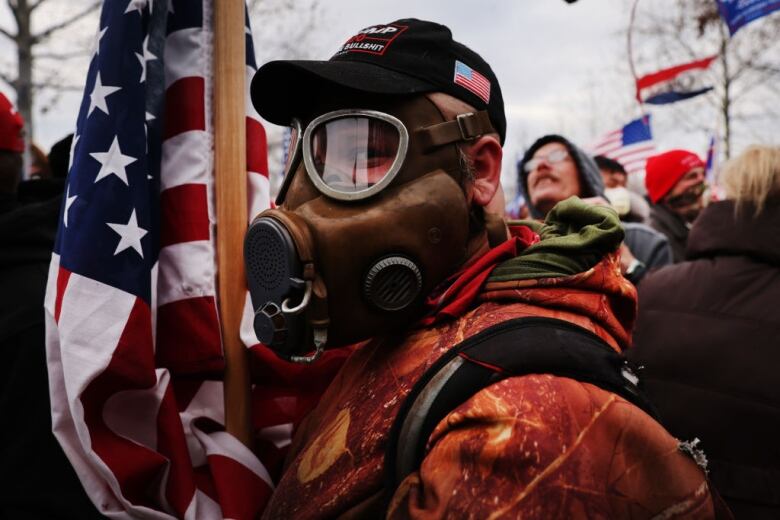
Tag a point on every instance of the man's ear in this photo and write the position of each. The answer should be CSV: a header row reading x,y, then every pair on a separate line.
x,y
485,154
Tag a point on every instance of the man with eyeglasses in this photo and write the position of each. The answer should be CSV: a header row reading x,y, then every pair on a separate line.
x,y
554,169
454,404
675,184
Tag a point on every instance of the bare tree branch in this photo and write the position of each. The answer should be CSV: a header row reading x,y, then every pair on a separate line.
x,y
8,79
7,34
54,85
61,55
14,10
65,23
36,5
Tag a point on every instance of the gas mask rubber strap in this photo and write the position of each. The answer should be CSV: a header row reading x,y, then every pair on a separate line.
x,y
464,128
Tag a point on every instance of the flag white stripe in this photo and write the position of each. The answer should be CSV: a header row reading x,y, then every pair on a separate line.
x,y
636,161
92,316
222,443
280,435
206,403
202,506
260,190
630,153
133,413
606,150
184,160
186,271
617,141
180,60
248,335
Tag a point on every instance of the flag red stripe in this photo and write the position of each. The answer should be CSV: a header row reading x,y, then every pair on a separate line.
x,y
644,151
188,338
184,214
205,483
606,150
185,106
666,74
131,368
63,275
478,88
242,493
635,163
482,86
184,390
256,158
172,444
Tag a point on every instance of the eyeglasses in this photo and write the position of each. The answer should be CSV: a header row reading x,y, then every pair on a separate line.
x,y
349,154
553,157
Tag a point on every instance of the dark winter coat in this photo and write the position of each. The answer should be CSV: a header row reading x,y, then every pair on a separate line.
x,y
647,245
708,336
674,228
36,479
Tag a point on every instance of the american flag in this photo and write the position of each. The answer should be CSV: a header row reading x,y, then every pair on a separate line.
x,y
472,81
133,338
712,170
630,145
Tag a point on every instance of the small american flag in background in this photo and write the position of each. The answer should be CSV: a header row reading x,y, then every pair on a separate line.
x,y
133,339
630,145
472,81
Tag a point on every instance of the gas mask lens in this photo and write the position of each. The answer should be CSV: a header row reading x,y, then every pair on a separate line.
x,y
353,154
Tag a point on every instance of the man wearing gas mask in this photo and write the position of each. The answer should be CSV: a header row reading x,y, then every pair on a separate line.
x,y
488,379
675,184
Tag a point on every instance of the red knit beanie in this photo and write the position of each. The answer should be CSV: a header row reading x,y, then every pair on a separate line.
x,y
664,170
11,124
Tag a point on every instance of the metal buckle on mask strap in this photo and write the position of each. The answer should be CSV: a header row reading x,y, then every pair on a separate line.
x,y
320,335
465,127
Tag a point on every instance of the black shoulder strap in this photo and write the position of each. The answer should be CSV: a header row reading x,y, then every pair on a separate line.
x,y
512,348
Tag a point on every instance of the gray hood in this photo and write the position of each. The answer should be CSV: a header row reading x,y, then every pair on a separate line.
x,y
590,177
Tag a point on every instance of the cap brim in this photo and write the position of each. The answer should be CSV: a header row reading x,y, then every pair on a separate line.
x,y
280,88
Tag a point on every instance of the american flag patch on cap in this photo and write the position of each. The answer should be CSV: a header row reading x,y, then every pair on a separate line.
x,y
472,81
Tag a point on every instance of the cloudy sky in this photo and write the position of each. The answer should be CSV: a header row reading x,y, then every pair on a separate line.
x,y
562,67
547,55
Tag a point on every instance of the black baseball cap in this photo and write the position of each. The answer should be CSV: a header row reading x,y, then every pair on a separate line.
x,y
408,56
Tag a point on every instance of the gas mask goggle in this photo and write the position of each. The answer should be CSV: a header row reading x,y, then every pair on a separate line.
x,y
372,216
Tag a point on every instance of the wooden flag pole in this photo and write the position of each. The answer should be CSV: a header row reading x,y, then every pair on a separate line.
x,y
231,201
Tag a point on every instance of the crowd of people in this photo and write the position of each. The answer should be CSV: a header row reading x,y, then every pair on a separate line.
x,y
608,356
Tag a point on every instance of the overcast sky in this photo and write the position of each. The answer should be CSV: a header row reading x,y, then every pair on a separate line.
x,y
562,68
544,53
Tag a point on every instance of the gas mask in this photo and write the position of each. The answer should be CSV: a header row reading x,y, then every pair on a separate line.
x,y
371,217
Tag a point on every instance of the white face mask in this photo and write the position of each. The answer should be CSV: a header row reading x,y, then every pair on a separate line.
x,y
620,199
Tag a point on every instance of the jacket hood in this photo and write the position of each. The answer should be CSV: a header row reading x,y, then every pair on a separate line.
x,y
590,177
27,233
718,232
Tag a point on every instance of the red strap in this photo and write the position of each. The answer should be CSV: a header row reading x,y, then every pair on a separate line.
x,y
455,296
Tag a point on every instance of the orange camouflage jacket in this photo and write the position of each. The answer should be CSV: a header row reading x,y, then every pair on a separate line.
x,y
535,446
